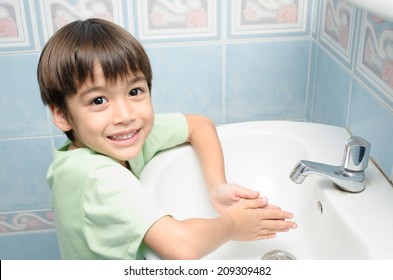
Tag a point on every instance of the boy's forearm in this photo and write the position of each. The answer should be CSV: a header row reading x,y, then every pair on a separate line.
x,y
206,235
196,237
204,139
189,239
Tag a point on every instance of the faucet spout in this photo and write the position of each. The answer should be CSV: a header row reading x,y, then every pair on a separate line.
x,y
349,177
349,181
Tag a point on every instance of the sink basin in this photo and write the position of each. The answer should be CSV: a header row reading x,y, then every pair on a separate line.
x,y
260,155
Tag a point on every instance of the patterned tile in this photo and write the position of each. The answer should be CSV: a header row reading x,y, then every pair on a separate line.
x,y
267,17
375,59
57,13
15,26
337,27
29,221
176,19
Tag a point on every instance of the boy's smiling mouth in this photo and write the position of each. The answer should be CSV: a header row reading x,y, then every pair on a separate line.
x,y
125,137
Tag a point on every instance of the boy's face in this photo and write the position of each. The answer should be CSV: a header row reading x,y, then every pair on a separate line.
x,y
112,119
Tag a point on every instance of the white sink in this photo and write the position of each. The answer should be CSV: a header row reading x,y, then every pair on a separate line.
x,y
260,156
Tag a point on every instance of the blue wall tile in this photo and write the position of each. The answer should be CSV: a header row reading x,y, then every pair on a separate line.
x,y
33,246
187,79
23,168
331,95
266,80
287,75
371,120
22,113
311,81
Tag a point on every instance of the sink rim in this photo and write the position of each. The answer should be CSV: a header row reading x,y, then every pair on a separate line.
x,y
345,204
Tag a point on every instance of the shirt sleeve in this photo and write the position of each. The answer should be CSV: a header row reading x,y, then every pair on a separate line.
x,y
169,131
118,213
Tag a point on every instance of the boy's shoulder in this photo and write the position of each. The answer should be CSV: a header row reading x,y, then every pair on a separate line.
x,y
79,164
80,158
81,173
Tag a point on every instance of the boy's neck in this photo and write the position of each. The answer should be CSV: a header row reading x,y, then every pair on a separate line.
x,y
72,146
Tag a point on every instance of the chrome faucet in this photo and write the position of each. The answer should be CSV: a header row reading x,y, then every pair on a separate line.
x,y
349,176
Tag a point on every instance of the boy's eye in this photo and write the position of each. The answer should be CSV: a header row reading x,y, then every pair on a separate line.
x,y
99,101
135,92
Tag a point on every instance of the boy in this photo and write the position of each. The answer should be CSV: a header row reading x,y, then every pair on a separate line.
x,y
96,79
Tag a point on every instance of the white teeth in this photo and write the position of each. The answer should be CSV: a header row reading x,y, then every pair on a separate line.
x,y
123,137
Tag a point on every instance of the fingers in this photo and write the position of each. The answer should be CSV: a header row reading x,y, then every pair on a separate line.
x,y
275,214
246,193
253,222
265,236
269,231
272,216
270,228
271,206
273,219
262,202
278,225
254,203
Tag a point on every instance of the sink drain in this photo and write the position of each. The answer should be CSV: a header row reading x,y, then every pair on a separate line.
x,y
278,255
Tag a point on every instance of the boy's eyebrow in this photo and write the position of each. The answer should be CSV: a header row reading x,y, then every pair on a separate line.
x,y
136,79
130,82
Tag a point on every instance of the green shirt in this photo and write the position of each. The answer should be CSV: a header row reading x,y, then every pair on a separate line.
x,y
100,209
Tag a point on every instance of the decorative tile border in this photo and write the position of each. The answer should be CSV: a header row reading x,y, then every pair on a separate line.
x,y
176,19
57,13
375,59
172,20
315,17
23,222
13,24
337,27
268,16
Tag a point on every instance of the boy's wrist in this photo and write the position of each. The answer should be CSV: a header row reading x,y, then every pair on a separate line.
x,y
228,223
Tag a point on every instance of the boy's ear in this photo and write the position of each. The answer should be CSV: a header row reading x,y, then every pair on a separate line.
x,y
59,118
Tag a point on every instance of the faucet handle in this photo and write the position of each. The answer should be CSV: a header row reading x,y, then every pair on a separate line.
x,y
356,154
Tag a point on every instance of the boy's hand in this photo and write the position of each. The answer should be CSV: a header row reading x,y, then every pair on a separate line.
x,y
226,194
252,221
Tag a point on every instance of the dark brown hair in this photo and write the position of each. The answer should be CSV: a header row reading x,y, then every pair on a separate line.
x,y
68,58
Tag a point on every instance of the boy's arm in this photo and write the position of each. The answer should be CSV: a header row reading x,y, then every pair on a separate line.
x,y
195,238
248,219
204,139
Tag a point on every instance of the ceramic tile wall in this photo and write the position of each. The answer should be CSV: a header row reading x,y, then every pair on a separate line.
x,y
352,85
239,60
209,57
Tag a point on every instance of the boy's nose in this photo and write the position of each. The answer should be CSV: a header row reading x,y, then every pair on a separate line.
x,y
122,113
